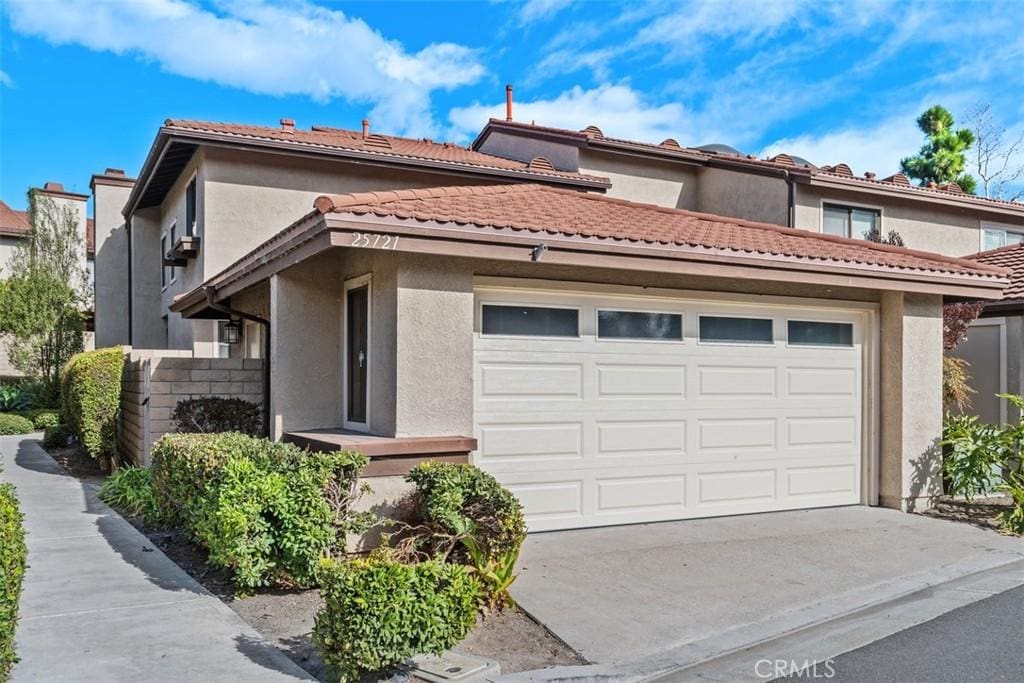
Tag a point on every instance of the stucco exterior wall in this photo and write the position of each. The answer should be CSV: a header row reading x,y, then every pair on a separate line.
x,y
949,230
642,180
434,347
8,243
563,156
111,264
911,400
743,195
149,330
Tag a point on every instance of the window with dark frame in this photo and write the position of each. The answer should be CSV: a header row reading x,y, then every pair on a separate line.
x,y
850,221
173,240
163,254
190,209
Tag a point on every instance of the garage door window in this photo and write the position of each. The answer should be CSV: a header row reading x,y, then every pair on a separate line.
x,y
639,325
736,330
530,321
809,333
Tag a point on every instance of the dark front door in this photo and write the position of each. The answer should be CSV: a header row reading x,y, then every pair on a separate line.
x,y
357,303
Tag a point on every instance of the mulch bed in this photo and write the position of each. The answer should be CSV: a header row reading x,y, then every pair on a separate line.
x,y
285,617
980,512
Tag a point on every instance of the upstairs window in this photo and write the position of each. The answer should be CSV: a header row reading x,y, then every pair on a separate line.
x,y
163,253
993,237
850,221
190,209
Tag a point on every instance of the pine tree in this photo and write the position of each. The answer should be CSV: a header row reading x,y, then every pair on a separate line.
x,y
943,157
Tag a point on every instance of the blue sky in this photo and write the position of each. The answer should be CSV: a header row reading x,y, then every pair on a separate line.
x,y
85,84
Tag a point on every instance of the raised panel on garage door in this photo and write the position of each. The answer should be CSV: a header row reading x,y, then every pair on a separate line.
x,y
640,417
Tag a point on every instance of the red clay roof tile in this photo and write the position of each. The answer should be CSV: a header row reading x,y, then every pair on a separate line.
x,y
12,222
1010,257
538,208
383,145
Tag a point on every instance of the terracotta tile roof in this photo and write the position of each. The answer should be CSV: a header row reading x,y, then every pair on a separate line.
x,y
387,146
542,209
593,134
1010,257
12,222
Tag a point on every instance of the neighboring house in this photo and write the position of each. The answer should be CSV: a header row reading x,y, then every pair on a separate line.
x,y
995,342
14,225
614,362
208,192
784,190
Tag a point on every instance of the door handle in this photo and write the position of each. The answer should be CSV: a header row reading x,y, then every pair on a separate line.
x,y
362,358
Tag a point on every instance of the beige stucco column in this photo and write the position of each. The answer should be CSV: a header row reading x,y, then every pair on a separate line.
x,y
305,351
434,338
911,400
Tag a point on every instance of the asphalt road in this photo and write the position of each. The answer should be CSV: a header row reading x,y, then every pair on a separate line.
x,y
983,641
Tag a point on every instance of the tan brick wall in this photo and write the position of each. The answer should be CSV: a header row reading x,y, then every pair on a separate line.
x,y
155,381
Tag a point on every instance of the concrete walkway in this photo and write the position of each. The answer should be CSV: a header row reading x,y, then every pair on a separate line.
x,y
670,595
101,603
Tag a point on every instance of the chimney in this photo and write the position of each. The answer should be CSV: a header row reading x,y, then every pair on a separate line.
x,y
870,175
366,128
508,102
288,125
51,186
114,171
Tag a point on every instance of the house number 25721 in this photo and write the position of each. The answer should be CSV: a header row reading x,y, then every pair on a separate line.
x,y
374,241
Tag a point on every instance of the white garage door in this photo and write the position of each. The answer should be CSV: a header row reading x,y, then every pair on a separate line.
x,y
600,409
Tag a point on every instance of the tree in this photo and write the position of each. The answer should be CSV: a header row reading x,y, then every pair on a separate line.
x,y
943,158
42,300
956,320
999,160
893,238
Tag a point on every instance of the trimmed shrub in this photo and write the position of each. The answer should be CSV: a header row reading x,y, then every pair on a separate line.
x,y
131,490
57,437
41,418
14,424
377,612
90,399
462,503
268,511
214,414
13,398
12,568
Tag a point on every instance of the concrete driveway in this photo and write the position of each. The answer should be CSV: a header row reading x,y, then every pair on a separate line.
x,y
699,588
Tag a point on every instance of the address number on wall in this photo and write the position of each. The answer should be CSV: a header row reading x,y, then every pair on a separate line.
x,y
374,241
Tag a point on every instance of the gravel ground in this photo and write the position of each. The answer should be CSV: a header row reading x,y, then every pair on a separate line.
x,y
285,617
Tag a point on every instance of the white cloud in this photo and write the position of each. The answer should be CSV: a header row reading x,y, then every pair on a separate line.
x,y
274,47
618,110
539,10
878,148
6,80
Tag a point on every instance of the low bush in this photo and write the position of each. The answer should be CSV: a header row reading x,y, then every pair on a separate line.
x,y
13,398
41,418
973,455
130,490
12,568
91,398
268,511
470,516
377,611
14,424
57,436
214,414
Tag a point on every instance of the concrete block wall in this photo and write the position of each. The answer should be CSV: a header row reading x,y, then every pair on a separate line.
x,y
154,381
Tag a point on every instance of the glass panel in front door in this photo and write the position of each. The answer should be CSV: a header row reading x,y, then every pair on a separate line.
x,y
357,302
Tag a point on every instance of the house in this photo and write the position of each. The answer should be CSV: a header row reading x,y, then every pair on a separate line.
x,y
784,189
14,226
609,361
208,192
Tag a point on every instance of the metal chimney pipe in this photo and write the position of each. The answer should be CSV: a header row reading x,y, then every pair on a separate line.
x,y
508,102
366,128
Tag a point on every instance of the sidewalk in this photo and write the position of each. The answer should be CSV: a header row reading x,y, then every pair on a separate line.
x,y
101,603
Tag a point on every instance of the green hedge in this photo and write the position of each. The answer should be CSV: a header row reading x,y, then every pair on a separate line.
x,y
14,424
12,568
90,399
212,414
57,437
130,490
268,511
377,612
41,418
